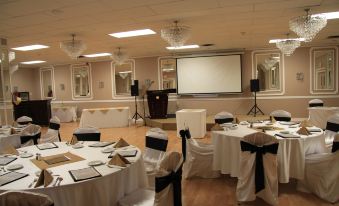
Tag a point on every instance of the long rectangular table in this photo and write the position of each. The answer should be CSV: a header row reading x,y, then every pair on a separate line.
x,y
65,113
105,117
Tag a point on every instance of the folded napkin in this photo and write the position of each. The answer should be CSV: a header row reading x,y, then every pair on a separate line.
x,y
118,160
45,178
121,143
303,131
74,140
9,149
217,127
305,123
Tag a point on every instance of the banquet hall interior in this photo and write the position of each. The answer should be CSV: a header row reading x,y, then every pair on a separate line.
x,y
169,102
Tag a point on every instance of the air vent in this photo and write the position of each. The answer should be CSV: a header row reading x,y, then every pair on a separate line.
x,y
333,37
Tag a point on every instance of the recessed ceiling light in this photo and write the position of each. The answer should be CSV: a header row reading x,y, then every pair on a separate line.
x,y
329,15
33,62
30,47
141,32
193,46
98,55
278,40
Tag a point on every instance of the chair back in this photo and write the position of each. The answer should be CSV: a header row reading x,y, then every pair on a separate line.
x,y
335,145
30,133
332,128
24,120
87,134
156,145
223,117
281,115
316,103
54,123
23,198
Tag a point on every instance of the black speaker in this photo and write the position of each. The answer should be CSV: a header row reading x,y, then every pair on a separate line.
x,y
135,88
255,85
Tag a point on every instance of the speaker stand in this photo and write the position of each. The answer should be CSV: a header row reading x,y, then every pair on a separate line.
x,y
136,114
255,109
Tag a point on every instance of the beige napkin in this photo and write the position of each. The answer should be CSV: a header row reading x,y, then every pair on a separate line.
x,y
10,150
217,127
272,119
74,140
118,160
45,178
305,123
121,143
303,131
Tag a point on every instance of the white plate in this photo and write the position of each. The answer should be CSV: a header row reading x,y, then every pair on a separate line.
x,y
244,123
26,155
284,132
269,123
95,163
15,167
77,146
108,150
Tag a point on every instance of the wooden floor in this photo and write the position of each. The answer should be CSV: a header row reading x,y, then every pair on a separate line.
x,y
197,191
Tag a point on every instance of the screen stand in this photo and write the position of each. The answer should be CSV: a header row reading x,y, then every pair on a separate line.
x,y
136,114
255,109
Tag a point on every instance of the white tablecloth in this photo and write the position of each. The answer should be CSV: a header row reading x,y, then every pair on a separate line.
x,y
65,113
194,119
105,117
318,116
291,152
103,191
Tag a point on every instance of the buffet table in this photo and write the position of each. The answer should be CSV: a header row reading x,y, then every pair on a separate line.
x,y
105,117
65,113
318,116
291,152
114,183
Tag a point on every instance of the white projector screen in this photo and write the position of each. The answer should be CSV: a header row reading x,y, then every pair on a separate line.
x,y
211,74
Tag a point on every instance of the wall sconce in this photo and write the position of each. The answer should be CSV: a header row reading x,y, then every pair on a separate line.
x,y
101,85
300,76
62,87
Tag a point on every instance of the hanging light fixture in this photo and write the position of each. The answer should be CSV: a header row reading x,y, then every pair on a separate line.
x,y
73,48
308,26
287,46
176,35
119,57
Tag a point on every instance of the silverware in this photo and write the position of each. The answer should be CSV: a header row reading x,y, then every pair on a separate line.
x,y
60,179
34,181
56,181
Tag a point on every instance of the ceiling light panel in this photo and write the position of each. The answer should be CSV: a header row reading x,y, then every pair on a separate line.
x,y
30,47
125,34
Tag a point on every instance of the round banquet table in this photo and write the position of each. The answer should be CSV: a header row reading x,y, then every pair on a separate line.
x,y
115,182
291,152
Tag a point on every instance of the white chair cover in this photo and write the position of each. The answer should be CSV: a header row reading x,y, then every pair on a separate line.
x,y
24,120
33,132
246,188
87,134
23,198
332,128
281,115
52,134
316,103
223,117
55,120
322,175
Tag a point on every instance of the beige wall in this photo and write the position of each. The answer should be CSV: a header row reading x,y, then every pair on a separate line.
x,y
296,97
27,80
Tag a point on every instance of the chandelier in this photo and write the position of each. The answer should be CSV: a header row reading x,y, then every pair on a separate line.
x,y
288,46
73,48
176,35
308,26
119,57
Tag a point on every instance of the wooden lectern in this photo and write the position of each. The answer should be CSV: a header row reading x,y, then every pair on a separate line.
x,y
157,103
38,110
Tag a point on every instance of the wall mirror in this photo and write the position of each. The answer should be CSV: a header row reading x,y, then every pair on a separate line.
x,y
324,70
47,83
123,75
267,67
81,81
168,73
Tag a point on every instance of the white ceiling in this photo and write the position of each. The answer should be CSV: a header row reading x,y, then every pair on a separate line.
x,y
229,24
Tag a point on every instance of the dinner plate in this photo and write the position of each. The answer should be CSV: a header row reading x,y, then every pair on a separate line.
x,y
26,155
95,163
15,167
77,146
108,150
284,132
244,123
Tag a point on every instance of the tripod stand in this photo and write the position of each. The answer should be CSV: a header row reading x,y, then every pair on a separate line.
x,y
136,114
255,109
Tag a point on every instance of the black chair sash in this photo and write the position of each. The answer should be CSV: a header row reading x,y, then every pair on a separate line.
x,y
184,134
27,138
173,178
24,123
259,164
332,126
284,119
335,147
54,126
156,143
316,105
88,136
222,121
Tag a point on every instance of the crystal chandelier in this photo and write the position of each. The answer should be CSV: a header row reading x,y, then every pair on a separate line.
x,y
308,26
176,35
288,46
73,48
119,57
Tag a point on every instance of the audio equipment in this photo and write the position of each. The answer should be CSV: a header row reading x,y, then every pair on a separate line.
x,y
254,83
135,88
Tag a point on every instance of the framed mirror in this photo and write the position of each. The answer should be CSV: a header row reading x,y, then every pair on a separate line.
x,y
324,70
268,68
122,77
47,83
168,73
81,81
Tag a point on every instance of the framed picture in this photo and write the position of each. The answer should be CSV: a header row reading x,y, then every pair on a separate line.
x,y
24,96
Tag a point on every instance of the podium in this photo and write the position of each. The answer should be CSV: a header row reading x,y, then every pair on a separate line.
x,y
157,103
38,110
